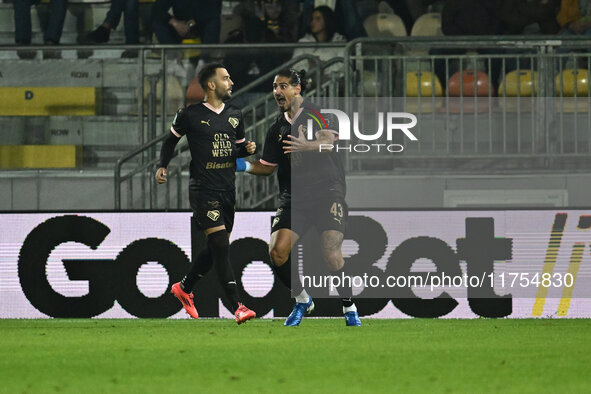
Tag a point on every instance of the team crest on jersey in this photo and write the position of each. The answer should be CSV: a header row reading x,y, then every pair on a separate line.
x,y
213,215
233,121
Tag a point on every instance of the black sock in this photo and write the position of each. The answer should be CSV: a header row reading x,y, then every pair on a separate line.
x,y
345,290
283,272
347,302
218,245
199,268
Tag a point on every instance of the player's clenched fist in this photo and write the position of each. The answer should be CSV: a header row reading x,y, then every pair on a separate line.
x,y
161,175
251,147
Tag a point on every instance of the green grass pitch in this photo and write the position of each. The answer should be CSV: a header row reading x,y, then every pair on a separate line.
x,y
320,356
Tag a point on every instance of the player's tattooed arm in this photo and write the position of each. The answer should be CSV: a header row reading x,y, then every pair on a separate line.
x,y
323,142
258,168
331,240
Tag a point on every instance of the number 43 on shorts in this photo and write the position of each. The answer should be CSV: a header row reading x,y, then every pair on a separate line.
x,y
337,209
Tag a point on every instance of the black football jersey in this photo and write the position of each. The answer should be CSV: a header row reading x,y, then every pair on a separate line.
x,y
212,136
310,172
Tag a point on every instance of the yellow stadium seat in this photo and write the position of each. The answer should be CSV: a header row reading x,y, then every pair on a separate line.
x,y
570,87
189,53
425,80
384,25
427,25
39,156
519,84
48,101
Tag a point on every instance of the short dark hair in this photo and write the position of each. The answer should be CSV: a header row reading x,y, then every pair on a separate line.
x,y
295,77
207,72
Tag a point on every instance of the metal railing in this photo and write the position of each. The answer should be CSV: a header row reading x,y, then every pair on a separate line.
x,y
467,126
548,129
252,193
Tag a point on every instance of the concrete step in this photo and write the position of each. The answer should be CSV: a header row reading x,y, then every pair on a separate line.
x,y
115,80
70,130
80,19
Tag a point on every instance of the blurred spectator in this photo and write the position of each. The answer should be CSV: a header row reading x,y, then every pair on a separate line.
x,y
190,18
471,17
245,66
569,12
53,33
322,30
494,17
278,16
464,18
575,17
517,15
130,21
349,21
491,17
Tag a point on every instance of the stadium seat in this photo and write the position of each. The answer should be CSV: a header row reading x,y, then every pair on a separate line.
x,y
39,156
472,83
384,25
49,101
190,53
194,92
572,86
519,84
566,85
425,80
427,25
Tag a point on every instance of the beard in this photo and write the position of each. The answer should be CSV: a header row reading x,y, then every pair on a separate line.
x,y
283,105
227,95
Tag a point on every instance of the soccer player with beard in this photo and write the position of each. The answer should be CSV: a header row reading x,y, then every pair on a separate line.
x,y
319,200
215,133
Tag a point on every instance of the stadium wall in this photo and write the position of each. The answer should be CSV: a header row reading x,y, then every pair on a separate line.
x,y
120,265
93,190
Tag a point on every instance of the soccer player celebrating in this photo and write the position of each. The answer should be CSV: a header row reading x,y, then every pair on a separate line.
x,y
320,203
215,133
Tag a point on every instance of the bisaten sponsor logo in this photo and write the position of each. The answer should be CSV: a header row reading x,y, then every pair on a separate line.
x,y
218,166
388,122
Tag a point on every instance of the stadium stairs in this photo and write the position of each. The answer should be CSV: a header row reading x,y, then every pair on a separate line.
x,y
65,122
